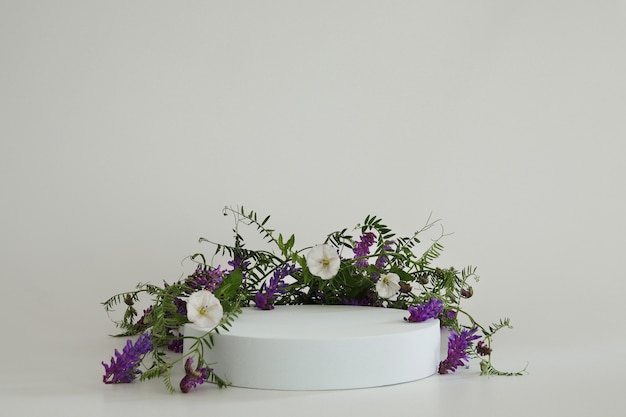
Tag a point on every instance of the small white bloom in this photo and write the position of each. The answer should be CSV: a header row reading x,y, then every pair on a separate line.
x,y
204,309
323,261
388,285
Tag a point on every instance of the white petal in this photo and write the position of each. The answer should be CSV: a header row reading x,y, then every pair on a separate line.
x,y
388,285
323,261
204,309
211,318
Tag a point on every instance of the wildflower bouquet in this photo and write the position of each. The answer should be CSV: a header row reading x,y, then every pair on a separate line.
x,y
377,268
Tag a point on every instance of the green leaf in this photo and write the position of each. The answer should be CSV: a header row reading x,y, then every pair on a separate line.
x,y
228,289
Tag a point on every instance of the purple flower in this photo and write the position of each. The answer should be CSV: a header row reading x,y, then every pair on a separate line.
x,y
382,260
142,319
428,310
482,348
176,345
193,377
206,278
368,300
264,299
181,306
458,345
123,367
467,292
362,249
450,314
239,263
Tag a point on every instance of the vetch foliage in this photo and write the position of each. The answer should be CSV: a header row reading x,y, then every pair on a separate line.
x,y
376,268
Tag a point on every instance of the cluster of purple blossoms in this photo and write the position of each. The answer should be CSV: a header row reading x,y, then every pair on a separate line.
x,y
123,367
239,263
368,300
382,260
362,249
181,306
206,278
428,310
264,299
450,314
176,345
458,345
193,377
482,348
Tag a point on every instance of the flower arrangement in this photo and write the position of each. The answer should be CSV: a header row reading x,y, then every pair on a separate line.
x,y
377,268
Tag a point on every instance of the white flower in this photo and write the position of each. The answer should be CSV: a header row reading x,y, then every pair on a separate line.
x,y
388,285
323,261
204,309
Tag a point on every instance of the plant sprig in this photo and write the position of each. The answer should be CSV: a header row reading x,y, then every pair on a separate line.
x,y
355,281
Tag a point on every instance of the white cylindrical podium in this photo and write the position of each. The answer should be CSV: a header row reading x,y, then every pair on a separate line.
x,y
321,347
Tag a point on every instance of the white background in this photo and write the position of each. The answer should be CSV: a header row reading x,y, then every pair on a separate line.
x,y
126,126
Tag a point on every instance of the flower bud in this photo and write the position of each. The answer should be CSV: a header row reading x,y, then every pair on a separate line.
x,y
467,292
128,300
404,287
483,349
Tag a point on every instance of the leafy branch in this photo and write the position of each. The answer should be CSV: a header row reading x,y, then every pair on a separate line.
x,y
284,272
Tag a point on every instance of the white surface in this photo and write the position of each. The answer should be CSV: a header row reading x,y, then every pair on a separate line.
x,y
322,347
126,126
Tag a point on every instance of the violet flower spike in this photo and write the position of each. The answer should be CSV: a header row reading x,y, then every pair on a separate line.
x,y
176,345
381,261
368,300
123,367
362,249
450,314
458,345
428,310
181,306
206,278
261,300
193,377
239,263
264,299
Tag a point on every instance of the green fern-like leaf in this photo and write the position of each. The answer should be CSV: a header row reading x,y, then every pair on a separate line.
x,y
432,253
167,380
503,323
487,368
